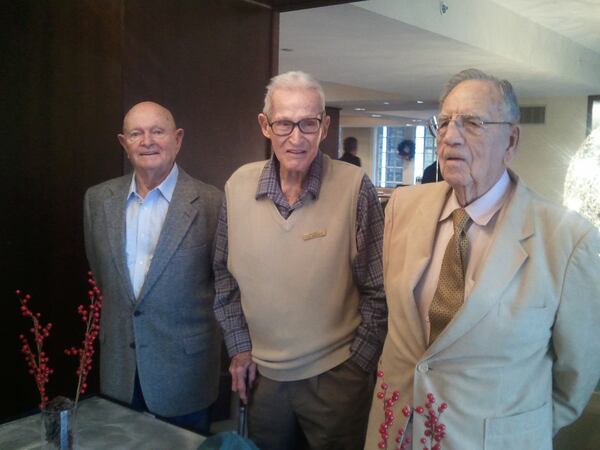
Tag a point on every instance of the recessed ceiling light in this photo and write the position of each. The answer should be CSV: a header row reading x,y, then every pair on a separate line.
x,y
420,101
359,109
386,103
375,115
409,124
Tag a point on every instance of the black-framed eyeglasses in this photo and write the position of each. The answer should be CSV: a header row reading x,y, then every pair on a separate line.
x,y
308,125
438,125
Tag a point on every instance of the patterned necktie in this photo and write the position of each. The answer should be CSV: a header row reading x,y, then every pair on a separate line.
x,y
450,292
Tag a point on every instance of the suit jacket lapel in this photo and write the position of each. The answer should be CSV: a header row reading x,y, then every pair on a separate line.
x,y
114,212
180,216
423,230
504,258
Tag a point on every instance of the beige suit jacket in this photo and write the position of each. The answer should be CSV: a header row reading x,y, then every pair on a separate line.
x,y
521,357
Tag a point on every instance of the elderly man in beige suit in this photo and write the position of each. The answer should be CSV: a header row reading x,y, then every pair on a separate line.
x,y
493,293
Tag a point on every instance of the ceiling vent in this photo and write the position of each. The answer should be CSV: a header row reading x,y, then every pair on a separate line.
x,y
533,114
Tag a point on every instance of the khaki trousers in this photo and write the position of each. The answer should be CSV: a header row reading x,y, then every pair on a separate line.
x,y
326,412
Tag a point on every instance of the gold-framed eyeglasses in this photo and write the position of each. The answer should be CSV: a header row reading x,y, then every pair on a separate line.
x,y
308,125
474,125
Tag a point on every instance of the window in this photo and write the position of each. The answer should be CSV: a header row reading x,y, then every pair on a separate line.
x,y
389,169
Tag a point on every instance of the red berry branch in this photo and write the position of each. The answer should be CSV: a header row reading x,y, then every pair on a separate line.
x,y
435,431
36,359
91,318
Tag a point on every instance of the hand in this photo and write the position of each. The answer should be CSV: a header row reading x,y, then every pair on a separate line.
x,y
242,368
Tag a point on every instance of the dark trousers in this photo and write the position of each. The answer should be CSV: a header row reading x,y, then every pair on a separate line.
x,y
328,411
198,421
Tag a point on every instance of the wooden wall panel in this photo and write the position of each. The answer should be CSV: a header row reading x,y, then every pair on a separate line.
x,y
63,102
71,70
209,62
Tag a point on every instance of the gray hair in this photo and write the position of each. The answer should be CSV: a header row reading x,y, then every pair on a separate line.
x,y
511,104
292,80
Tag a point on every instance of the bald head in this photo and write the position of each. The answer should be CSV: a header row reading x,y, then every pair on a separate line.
x,y
145,108
151,142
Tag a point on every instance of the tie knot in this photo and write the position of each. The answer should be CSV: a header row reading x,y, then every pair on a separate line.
x,y
460,219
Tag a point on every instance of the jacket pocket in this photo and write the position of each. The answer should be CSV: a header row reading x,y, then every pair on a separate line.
x,y
530,430
198,342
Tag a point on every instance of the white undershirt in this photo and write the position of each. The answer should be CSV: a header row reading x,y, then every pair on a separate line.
x,y
484,213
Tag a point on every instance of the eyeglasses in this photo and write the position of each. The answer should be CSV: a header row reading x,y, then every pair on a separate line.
x,y
310,125
438,125
135,136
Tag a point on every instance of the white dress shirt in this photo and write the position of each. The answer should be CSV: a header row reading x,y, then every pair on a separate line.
x,y
144,221
484,213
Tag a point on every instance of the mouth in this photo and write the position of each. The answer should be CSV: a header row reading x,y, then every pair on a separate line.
x,y
454,158
148,153
295,152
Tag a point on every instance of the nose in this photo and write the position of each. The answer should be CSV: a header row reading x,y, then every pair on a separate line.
x,y
453,134
147,139
296,135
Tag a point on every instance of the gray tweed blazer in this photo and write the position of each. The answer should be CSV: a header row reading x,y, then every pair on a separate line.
x,y
169,333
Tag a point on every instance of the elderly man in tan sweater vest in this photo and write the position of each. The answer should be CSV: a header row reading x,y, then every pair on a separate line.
x,y
298,279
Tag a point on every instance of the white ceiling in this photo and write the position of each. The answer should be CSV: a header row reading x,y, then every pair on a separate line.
x,y
385,55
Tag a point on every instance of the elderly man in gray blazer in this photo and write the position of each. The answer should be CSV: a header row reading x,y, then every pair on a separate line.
x,y
149,242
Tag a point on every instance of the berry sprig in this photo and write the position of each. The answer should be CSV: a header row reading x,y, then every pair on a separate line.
x,y
385,427
91,317
36,360
435,431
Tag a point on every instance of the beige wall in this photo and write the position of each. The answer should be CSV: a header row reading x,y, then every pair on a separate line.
x,y
545,150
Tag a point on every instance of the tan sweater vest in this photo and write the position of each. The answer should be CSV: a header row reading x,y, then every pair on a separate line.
x,y
295,275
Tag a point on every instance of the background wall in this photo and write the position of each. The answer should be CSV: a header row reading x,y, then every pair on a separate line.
x,y
546,150
72,69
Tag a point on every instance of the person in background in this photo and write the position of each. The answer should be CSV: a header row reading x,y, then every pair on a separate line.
x,y
149,242
493,293
432,173
350,149
298,279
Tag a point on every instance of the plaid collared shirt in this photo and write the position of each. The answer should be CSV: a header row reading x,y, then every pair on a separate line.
x,y
366,267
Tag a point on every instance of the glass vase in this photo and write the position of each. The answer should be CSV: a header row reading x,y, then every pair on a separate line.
x,y
58,429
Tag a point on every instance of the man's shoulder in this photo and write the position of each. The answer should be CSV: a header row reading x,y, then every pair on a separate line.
x,y
340,165
196,184
248,170
553,215
109,187
421,192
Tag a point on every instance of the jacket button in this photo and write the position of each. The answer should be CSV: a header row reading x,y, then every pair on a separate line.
x,y
137,313
423,367
132,345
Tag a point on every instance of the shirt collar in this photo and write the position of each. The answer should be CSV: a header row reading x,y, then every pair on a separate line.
x,y
268,183
166,188
483,209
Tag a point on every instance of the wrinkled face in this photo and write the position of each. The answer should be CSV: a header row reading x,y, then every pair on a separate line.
x,y
296,151
473,160
150,139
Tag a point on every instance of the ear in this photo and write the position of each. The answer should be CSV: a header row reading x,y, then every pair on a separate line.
x,y
325,127
513,143
263,122
123,141
179,138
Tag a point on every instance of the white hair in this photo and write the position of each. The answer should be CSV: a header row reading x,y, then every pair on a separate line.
x,y
511,105
292,80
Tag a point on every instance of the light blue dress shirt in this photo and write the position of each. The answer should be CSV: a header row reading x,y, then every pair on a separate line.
x,y
144,221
